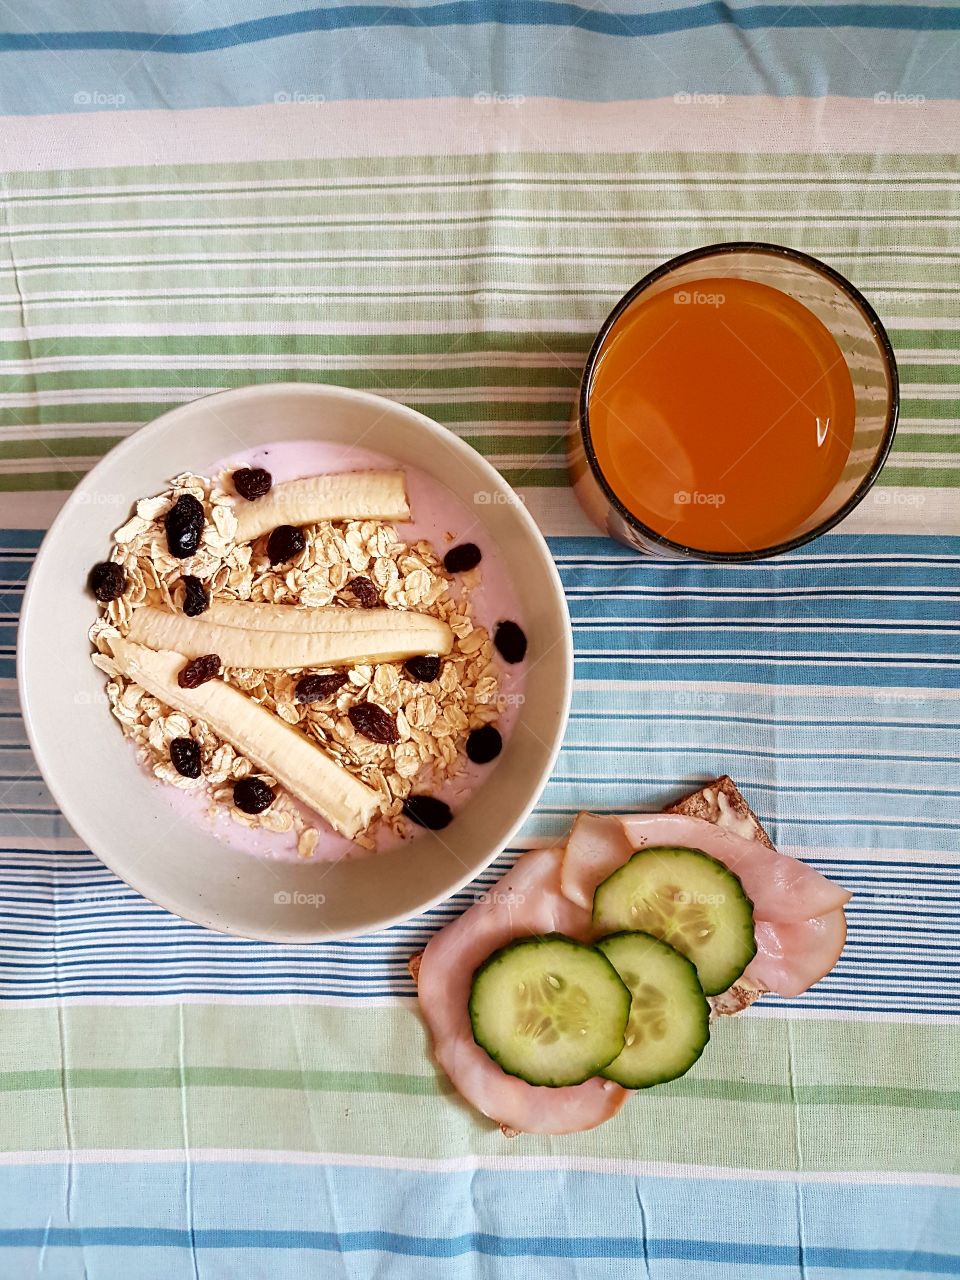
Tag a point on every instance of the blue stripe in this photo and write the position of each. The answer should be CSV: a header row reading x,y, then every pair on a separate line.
x,y
493,1246
126,946
513,1215
28,539
504,12
706,50
892,784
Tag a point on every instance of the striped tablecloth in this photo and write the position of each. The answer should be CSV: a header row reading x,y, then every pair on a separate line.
x,y
440,202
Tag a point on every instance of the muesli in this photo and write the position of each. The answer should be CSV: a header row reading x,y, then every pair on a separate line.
x,y
243,622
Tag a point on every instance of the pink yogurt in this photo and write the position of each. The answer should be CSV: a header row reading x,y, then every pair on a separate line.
x,y
442,520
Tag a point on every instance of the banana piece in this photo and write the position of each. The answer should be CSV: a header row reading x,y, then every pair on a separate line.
x,y
349,495
301,619
285,637
287,755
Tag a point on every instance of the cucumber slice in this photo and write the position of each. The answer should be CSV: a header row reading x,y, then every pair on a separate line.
x,y
549,1010
669,1016
687,899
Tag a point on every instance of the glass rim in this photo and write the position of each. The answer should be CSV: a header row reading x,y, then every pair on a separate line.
x,y
758,247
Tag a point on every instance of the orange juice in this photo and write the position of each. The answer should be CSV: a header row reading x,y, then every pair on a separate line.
x,y
721,414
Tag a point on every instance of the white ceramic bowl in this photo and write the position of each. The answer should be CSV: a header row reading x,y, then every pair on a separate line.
x,y
118,810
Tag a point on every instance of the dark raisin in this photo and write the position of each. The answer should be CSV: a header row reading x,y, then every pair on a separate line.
x,y
185,757
195,598
510,641
252,482
462,558
316,688
199,671
374,723
426,811
484,744
107,581
365,592
184,526
252,795
284,543
423,669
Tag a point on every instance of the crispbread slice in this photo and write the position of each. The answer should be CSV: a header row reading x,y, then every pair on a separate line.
x,y
721,803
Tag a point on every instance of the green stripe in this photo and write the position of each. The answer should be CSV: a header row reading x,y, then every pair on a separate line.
x,y
526,209
40,481
934,339
58,446
768,1094
427,1086
844,165
919,442
61,481
128,410
918,478
414,184
223,1078
910,407
85,446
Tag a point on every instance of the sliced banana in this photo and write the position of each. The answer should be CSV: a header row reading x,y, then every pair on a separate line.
x,y
298,619
287,755
349,495
284,637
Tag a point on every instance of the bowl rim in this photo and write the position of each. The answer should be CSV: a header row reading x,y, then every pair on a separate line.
x,y
722,248
142,437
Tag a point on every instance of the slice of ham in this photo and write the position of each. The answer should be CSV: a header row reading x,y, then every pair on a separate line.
x,y
527,900
781,888
596,846
798,913
791,957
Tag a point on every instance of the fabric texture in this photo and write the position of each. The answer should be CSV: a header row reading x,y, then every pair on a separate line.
x,y
440,203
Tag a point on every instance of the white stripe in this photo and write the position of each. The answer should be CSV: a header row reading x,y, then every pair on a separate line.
x,y
102,1002
783,1013
557,512
45,462
324,290
106,430
452,126
602,623
501,1163
546,359
701,593
290,294
741,655
31,509
62,431
180,328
